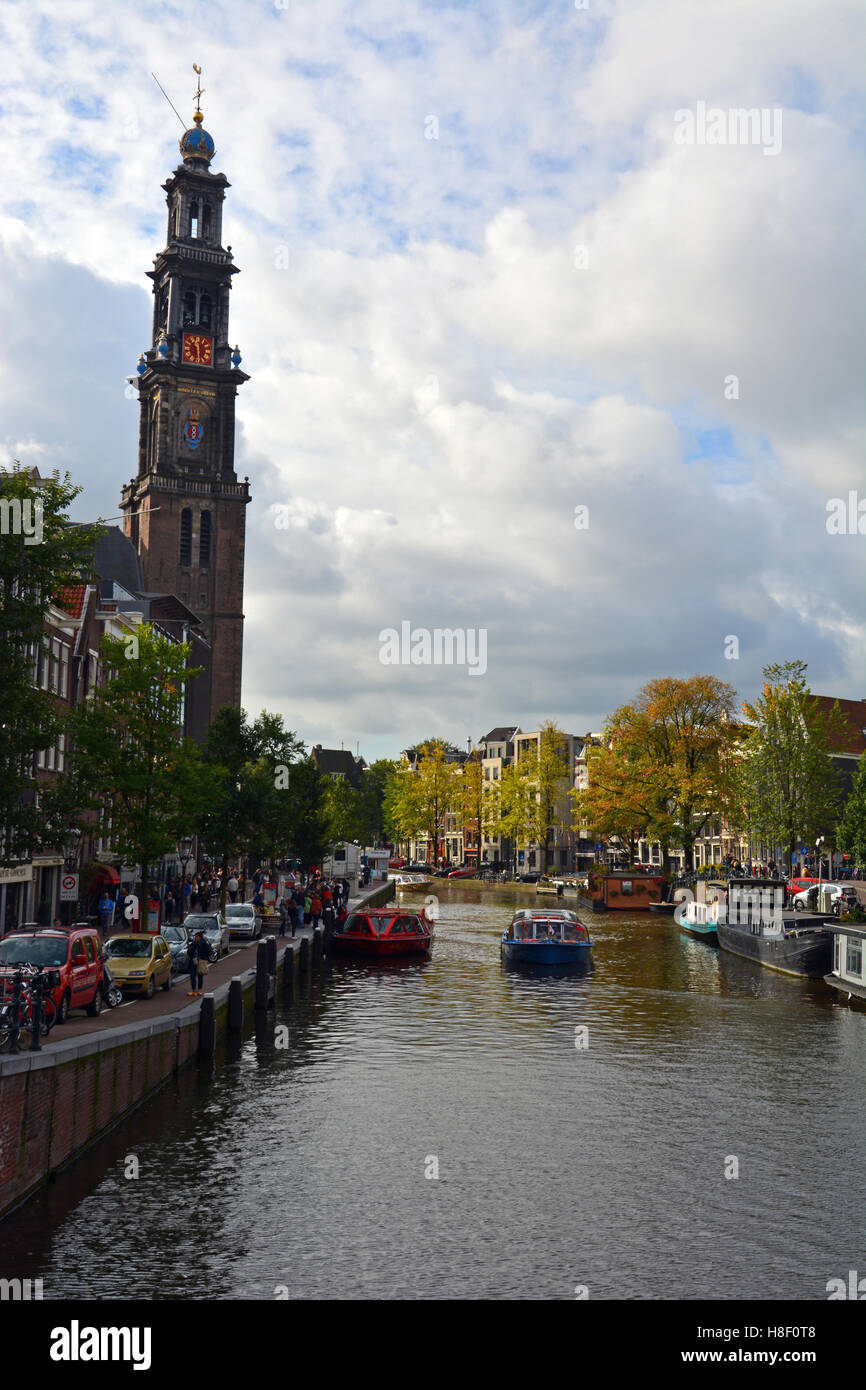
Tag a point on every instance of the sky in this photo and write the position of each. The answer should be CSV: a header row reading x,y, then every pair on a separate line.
x,y
538,346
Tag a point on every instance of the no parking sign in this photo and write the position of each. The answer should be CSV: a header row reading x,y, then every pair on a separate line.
x,y
69,888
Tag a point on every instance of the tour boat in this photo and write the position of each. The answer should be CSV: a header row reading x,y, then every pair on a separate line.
x,y
754,924
848,974
384,931
404,881
551,936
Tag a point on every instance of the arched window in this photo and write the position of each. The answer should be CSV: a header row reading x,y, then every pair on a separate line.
x,y
204,310
193,218
189,308
186,536
205,219
204,540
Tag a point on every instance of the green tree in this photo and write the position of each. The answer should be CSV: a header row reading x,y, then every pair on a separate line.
x,y
255,767
40,554
788,785
128,765
852,826
376,783
429,792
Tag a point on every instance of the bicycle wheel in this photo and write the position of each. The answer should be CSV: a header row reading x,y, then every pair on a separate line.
x,y
49,1015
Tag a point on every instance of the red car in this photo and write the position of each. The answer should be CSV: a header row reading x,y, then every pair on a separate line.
x,y
463,873
73,954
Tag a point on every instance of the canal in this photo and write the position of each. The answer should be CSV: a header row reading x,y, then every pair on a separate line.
x,y
441,1130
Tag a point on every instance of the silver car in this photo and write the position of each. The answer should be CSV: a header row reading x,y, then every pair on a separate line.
x,y
243,921
215,928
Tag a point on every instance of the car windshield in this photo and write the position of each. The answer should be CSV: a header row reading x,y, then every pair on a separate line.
x,y
30,950
174,934
127,947
193,923
240,910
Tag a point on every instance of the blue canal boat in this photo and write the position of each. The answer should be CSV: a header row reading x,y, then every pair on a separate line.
x,y
546,936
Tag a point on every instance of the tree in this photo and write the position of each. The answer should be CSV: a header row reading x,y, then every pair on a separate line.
x,y
40,554
788,785
430,791
255,769
344,811
128,764
534,791
665,766
480,809
376,783
852,826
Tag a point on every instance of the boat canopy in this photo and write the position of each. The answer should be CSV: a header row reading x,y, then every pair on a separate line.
x,y
389,924
547,929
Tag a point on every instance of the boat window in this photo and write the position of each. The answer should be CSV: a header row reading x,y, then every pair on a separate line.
x,y
854,957
397,928
572,931
359,925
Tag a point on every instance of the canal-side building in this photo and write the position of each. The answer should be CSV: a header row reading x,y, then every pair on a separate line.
x,y
185,510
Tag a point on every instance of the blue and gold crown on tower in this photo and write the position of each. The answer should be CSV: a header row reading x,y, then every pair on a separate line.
x,y
197,143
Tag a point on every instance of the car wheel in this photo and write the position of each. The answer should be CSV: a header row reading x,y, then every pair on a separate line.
x,y
94,1008
151,989
168,981
63,1011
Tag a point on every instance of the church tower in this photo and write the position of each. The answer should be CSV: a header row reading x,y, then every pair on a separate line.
x,y
185,509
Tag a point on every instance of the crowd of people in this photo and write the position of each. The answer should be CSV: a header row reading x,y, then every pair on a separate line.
x,y
316,901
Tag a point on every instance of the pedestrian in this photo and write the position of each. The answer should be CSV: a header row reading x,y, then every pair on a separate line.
x,y
308,909
200,956
105,908
284,912
315,909
233,888
294,914
329,917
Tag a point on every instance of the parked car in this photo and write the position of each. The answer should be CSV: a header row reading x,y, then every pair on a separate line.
x,y
178,944
528,878
243,920
140,962
463,873
74,954
214,927
807,900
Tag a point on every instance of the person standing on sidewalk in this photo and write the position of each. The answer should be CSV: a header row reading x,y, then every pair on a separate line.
x,y
105,908
233,888
200,957
284,912
315,909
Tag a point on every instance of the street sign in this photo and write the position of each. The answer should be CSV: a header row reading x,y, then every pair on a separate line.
x,y
69,888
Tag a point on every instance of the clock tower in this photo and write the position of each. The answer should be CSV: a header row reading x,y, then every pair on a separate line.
x,y
185,509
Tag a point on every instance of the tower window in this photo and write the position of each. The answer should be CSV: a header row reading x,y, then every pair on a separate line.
x,y
186,536
205,219
193,219
204,540
189,308
204,310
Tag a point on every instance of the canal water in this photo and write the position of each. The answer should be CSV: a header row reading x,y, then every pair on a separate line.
x,y
674,1124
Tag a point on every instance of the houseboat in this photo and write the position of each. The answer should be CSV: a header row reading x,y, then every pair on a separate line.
x,y
621,892
551,936
754,923
384,931
849,950
699,920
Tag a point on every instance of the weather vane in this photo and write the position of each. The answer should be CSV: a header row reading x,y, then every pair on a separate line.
x,y
197,69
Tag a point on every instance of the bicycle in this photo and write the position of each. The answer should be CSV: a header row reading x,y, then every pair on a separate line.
x,y
30,979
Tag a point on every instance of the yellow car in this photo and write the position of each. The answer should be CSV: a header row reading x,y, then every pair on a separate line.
x,y
139,962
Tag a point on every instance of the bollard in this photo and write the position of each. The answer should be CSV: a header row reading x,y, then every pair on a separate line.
x,y
262,974
207,1027
304,956
16,1012
318,943
236,1005
288,975
271,943
36,1014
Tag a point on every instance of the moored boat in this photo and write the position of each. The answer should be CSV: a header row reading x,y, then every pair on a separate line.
x,y
550,936
700,920
549,885
663,909
753,924
384,931
848,974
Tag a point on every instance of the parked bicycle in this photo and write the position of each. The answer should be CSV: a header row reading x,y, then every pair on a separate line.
x,y
32,987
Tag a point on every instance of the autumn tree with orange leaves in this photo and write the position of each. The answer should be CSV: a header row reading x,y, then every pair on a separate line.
x,y
665,767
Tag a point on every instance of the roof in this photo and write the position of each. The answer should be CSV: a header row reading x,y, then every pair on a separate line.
x,y
71,599
853,738
501,735
115,557
340,761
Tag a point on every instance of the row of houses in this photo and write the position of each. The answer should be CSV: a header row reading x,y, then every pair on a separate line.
x,y
110,601
572,851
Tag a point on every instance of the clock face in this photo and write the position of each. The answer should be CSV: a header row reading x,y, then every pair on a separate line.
x,y
198,349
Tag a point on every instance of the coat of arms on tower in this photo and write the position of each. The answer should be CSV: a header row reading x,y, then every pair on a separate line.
x,y
193,430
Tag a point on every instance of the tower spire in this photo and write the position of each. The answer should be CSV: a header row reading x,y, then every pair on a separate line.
x,y
197,114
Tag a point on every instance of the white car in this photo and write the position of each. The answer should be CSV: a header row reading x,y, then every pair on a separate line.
x,y
243,921
801,900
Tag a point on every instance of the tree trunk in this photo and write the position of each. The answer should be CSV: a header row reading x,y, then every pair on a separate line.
x,y
224,883
143,909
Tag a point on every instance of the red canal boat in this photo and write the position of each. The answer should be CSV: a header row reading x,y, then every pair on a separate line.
x,y
385,931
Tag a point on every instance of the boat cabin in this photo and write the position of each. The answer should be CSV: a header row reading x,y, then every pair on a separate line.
x,y
546,927
385,922
849,952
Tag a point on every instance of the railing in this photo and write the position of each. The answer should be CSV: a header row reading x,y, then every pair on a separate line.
x,y
202,487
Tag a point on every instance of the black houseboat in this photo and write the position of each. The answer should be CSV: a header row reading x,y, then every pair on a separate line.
x,y
753,923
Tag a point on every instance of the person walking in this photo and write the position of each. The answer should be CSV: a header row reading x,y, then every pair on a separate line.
x,y
233,888
315,909
308,909
105,908
284,912
200,956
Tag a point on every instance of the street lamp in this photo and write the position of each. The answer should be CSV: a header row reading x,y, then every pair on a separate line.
x,y
184,854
